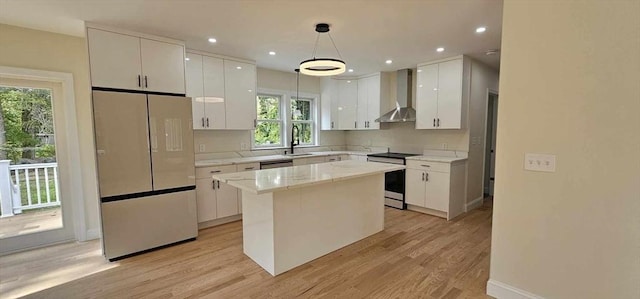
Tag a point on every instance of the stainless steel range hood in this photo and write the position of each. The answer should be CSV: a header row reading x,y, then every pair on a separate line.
x,y
403,111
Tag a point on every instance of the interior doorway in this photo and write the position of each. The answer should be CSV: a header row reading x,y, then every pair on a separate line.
x,y
490,143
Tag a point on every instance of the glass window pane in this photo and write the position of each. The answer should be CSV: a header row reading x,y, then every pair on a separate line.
x,y
306,136
300,109
267,133
268,107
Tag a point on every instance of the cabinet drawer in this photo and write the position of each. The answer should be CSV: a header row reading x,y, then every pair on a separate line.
x,y
429,166
206,172
248,166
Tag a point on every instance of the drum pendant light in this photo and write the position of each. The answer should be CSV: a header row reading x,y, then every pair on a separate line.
x,y
323,66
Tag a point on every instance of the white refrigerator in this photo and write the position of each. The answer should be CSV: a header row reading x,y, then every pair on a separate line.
x,y
146,171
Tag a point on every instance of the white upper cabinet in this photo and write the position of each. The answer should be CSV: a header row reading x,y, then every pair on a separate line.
x,y
427,97
240,94
115,60
129,62
162,66
363,103
348,104
376,89
214,92
222,91
329,104
354,104
439,95
195,89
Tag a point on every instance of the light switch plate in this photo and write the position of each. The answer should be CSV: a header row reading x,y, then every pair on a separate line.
x,y
540,162
244,146
202,148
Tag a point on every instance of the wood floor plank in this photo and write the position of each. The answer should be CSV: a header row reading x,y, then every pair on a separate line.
x,y
416,256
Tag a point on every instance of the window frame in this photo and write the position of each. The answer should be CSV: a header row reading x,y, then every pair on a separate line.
x,y
312,121
280,120
286,118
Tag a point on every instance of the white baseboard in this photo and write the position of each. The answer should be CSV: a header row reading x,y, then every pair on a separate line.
x,y
93,234
504,291
476,203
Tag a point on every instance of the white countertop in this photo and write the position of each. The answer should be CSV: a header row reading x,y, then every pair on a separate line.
x,y
278,179
239,160
437,158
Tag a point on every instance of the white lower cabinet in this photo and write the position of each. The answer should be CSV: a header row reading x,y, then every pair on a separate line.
x,y
358,157
306,161
240,168
336,158
435,188
214,198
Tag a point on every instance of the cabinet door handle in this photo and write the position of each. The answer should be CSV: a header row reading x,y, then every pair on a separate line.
x,y
203,122
438,122
219,183
139,81
423,176
213,184
356,124
207,122
146,82
332,125
425,165
434,122
249,168
427,179
215,171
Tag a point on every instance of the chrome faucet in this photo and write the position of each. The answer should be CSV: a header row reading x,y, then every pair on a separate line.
x,y
297,133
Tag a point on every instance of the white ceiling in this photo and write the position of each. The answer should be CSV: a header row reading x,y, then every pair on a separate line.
x,y
366,32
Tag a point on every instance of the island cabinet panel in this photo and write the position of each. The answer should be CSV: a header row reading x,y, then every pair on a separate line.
x,y
285,229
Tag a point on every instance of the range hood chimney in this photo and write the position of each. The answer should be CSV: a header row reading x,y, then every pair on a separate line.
x,y
403,111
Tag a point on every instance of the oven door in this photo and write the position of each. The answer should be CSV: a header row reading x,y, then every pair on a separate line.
x,y
394,185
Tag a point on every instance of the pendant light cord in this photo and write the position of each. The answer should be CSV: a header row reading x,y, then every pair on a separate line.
x,y
316,45
334,45
315,48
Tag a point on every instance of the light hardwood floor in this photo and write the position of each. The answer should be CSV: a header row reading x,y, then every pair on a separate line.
x,y
416,256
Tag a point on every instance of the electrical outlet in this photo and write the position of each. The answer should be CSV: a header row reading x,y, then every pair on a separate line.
x,y
201,148
444,146
244,146
540,162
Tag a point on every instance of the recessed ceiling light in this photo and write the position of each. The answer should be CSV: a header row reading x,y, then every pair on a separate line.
x,y
440,49
350,71
419,71
212,40
388,61
481,29
272,53
238,67
348,81
187,59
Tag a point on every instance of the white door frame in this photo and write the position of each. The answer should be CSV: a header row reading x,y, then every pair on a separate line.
x,y
75,194
486,119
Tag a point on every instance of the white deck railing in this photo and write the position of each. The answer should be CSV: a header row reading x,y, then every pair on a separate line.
x,y
28,186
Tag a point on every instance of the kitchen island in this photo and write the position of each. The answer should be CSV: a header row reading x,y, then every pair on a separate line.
x,y
293,215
